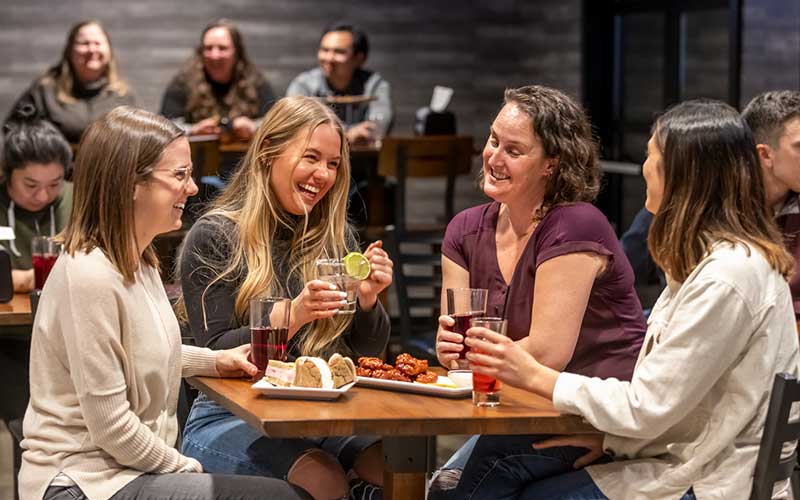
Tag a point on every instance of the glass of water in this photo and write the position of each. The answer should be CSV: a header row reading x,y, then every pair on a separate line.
x,y
333,271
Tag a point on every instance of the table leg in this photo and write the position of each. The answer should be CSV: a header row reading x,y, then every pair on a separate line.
x,y
405,466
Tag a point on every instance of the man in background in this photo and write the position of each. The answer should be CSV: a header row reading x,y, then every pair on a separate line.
x,y
343,50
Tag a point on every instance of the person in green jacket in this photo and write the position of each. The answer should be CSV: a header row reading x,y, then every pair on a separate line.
x,y
35,198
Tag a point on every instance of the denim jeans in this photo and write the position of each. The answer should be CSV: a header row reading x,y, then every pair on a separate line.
x,y
508,467
225,444
188,486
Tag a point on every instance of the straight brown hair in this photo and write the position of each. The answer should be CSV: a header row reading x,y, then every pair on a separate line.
x,y
117,152
713,190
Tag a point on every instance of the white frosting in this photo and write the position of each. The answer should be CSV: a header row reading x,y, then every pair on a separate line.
x,y
324,370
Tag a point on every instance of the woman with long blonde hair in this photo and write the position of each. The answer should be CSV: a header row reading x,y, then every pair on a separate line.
x,y
284,208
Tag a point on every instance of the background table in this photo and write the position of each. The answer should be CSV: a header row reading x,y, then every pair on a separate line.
x,y
406,422
17,312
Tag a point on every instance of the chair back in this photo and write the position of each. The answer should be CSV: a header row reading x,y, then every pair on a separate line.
x,y
417,256
770,467
205,156
426,156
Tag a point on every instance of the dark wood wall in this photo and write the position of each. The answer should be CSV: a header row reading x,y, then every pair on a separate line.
x,y
476,47
770,46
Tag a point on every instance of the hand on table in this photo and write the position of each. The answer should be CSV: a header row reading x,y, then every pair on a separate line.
x,y
361,132
244,128
318,300
207,126
235,362
448,343
593,442
380,276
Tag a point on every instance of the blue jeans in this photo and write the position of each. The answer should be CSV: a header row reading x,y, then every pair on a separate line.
x,y
226,444
508,467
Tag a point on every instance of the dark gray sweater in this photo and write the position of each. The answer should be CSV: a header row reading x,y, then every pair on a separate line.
x,y
368,333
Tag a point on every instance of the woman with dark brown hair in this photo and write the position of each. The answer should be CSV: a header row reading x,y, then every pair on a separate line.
x,y
106,352
84,85
689,423
219,89
549,259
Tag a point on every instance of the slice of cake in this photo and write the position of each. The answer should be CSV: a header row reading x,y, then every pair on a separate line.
x,y
343,370
279,373
312,372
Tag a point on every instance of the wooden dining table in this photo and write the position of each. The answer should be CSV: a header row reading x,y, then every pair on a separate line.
x,y
407,422
17,312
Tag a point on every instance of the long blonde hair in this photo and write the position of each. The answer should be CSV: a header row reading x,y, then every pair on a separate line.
x,y
250,203
118,151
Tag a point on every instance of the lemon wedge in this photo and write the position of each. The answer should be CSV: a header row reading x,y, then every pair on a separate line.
x,y
356,265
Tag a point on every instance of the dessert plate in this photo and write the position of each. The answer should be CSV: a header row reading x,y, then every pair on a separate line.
x,y
429,389
274,391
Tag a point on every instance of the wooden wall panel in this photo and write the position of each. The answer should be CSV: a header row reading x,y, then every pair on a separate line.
x,y
478,48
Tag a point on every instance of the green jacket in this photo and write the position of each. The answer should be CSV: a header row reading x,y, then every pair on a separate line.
x,y
48,221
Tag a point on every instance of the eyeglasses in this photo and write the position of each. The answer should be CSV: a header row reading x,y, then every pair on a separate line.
x,y
183,174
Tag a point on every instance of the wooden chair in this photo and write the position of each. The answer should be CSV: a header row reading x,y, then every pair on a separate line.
x,y
770,467
425,156
205,156
418,278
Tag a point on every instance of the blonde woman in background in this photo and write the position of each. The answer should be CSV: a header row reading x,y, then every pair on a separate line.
x,y
84,85
106,353
284,208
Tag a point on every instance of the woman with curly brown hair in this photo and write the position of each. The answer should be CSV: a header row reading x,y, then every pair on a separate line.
x,y
549,259
218,87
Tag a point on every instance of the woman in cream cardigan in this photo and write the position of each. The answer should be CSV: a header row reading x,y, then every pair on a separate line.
x,y
106,353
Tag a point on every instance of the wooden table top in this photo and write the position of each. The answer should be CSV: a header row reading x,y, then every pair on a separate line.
x,y
364,410
17,312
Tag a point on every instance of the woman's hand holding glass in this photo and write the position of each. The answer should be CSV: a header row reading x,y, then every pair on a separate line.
x,y
318,300
380,276
235,362
502,358
448,343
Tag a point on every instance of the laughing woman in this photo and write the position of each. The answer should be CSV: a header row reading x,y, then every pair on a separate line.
x,y
106,353
689,423
284,208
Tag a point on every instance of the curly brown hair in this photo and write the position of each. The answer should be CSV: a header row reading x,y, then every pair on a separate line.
x,y
241,100
566,135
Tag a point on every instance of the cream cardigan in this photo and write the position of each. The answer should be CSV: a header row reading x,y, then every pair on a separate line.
x,y
693,414
106,365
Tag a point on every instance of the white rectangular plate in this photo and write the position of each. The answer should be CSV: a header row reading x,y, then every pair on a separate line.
x,y
273,391
429,389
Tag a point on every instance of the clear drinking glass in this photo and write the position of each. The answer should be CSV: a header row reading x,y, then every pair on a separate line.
x,y
269,331
379,132
463,304
333,271
44,253
486,389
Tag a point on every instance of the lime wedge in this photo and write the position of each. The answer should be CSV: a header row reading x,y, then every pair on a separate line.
x,y
356,265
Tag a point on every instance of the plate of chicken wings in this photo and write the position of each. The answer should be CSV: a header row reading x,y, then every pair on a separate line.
x,y
409,374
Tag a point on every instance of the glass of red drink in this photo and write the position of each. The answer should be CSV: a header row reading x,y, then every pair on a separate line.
x,y
269,331
486,389
463,304
44,253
